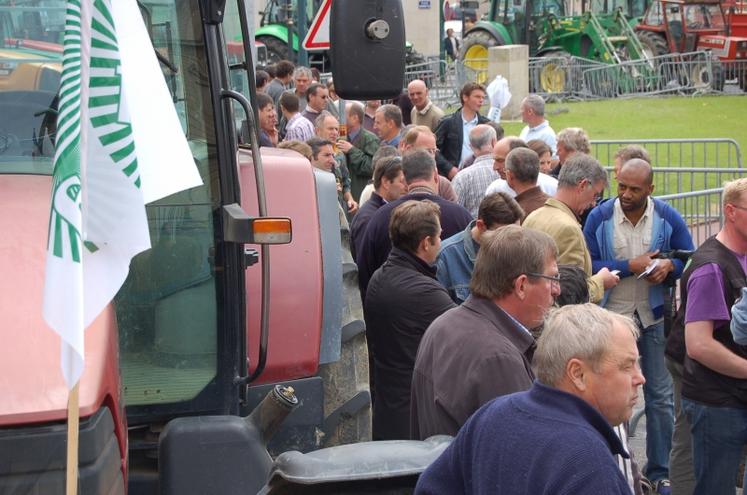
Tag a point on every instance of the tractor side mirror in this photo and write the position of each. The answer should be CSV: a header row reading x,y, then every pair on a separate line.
x,y
367,48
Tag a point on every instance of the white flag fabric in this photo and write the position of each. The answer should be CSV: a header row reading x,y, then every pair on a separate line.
x,y
97,219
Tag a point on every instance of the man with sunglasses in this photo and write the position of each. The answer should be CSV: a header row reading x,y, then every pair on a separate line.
x,y
580,183
483,349
625,235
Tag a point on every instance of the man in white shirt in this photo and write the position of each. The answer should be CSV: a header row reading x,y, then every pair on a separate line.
x,y
548,185
533,114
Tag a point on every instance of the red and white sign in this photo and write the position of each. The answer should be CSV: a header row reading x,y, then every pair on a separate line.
x,y
318,36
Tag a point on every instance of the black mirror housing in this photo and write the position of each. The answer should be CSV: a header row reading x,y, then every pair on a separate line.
x,y
368,48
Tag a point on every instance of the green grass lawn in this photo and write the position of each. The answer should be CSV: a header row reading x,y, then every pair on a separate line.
x,y
662,118
652,118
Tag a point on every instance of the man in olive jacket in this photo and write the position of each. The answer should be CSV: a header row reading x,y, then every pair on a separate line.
x,y
359,148
403,298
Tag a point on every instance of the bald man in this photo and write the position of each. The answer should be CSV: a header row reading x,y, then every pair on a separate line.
x,y
423,112
626,234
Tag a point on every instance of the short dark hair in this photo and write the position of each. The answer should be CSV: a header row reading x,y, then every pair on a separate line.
x,y
507,253
499,131
499,209
271,70
388,167
289,101
261,78
263,100
316,144
468,88
418,165
284,68
574,288
524,164
313,88
412,221
514,142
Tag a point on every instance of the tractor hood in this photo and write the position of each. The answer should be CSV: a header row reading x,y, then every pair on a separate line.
x,y
31,384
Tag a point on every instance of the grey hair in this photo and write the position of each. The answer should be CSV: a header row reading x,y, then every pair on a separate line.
x,y
524,164
391,113
536,104
481,136
302,71
319,121
581,331
574,139
418,165
579,167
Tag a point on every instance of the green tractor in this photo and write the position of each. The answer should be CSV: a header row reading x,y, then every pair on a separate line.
x,y
280,15
601,33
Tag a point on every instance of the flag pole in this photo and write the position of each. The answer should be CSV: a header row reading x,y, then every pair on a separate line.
x,y
73,428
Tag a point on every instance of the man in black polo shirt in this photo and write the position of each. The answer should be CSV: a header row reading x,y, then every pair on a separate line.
x,y
701,347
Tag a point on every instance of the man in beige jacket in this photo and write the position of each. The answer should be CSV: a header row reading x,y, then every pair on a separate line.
x,y
580,183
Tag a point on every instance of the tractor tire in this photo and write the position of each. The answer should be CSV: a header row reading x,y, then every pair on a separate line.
x,y
474,54
701,79
554,75
347,394
277,50
654,45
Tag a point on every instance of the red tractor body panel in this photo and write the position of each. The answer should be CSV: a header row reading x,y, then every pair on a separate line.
x,y
32,388
296,281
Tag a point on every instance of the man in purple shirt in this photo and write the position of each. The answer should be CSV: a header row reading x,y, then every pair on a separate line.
x,y
701,349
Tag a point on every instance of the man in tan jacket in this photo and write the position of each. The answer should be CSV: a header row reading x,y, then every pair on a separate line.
x,y
580,183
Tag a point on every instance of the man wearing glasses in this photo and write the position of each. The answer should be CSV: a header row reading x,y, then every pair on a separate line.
x,y
625,235
483,349
714,367
581,181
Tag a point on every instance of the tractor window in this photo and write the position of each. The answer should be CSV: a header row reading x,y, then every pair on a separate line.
x,y
654,16
701,16
166,310
30,67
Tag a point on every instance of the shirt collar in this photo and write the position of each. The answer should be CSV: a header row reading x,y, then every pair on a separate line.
x,y
426,108
621,218
468,122
541,125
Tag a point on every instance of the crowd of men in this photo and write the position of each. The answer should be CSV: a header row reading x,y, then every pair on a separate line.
x,y
508,303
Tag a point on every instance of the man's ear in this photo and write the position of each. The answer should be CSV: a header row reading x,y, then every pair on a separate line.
x,y
577,373
520,286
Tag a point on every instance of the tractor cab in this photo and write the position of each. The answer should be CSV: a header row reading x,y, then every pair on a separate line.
x,y
682,23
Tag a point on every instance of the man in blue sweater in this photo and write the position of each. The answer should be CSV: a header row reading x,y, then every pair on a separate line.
x,y
557,437
626,234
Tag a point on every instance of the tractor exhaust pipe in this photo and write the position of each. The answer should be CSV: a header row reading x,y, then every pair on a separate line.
x,y
267,417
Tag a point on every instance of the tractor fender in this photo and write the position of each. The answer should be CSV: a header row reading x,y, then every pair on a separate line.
x,y
495,29
276,31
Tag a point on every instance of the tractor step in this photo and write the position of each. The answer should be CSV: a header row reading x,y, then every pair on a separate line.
x,y
617,39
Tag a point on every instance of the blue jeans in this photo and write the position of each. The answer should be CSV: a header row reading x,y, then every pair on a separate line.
x,y
659,397
719,434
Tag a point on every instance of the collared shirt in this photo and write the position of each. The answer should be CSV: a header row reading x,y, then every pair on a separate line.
x,y
392,142
353,134
470,183
467,126
543,132
298,128
547,183
631,294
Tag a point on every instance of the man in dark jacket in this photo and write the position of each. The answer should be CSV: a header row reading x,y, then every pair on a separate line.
x,y
422,182
483,349
452,133
403,298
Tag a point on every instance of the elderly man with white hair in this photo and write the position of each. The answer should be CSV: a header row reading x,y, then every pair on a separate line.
x,y
558,436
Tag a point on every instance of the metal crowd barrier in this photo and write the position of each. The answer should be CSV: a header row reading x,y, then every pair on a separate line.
x,y
702,211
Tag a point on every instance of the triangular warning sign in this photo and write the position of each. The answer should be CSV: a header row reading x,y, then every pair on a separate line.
x,y
318,36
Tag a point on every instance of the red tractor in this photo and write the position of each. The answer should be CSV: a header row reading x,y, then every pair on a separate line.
x,y
681,26
196,336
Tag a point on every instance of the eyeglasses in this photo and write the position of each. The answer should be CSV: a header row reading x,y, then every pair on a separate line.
x,y
739,207
554,280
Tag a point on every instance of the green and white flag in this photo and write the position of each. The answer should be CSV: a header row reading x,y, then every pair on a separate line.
x,y
103,177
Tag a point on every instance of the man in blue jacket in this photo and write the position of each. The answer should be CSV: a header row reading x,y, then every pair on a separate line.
x,y
555,438
626,235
